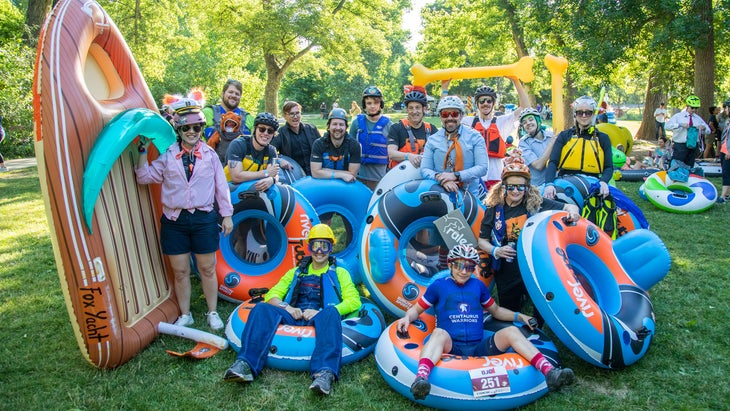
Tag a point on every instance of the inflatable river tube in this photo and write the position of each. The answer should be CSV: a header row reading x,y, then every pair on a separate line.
x,y
497,382
292,346
401,251
116,283
695,196
269,235
349,202
592,291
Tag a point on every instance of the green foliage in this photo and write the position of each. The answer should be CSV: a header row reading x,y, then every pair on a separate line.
x,y
16,99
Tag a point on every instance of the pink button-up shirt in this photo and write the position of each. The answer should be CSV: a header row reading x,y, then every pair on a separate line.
x,y
208,182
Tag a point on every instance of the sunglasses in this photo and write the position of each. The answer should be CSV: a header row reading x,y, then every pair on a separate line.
x,y
462,265
583,113
485,100
320,246
267,130
518,187
196,128
452,114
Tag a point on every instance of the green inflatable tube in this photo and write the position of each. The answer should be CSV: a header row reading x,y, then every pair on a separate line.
x,y
116,136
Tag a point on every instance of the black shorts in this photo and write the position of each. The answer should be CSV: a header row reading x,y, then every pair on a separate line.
x,y
196,233
725,163
483,348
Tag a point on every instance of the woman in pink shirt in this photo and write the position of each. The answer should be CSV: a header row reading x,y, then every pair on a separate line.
x,y
192,180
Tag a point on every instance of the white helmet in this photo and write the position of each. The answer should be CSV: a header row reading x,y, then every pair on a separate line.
x,y
451,102
585,100
463,252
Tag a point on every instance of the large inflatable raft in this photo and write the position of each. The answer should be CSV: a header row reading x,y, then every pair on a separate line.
x,y
115,281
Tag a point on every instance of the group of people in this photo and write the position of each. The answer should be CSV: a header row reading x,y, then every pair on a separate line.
x,y
465,153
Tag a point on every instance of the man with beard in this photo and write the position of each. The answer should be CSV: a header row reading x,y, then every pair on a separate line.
x,y
336,155
495,128
226,121
371,131
407,137
456,155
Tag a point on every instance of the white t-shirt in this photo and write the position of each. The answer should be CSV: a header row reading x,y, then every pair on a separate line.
x,y
660,115
506,125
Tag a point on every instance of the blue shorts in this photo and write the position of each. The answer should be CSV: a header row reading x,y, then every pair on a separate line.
x,y
483,348
196,233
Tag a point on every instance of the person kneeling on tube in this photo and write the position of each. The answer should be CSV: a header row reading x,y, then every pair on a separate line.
x,y
316,293
458,302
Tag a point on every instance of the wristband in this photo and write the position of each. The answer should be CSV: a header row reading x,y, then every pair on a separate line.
x,y
494,251
517,314
406,156
333,176
444,92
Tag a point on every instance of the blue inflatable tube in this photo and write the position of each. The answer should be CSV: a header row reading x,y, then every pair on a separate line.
x,y
591,291
349,200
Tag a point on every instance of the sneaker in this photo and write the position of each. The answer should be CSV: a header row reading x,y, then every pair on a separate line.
x,y
240,371
322,382
185,320
3,168
420,388
214,320
557,377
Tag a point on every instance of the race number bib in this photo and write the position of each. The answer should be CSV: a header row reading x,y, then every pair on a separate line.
x,y
489,381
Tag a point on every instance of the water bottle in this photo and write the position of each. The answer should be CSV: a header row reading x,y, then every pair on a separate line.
x,y
511,245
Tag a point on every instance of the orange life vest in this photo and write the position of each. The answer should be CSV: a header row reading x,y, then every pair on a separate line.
x,y
496,147
414,145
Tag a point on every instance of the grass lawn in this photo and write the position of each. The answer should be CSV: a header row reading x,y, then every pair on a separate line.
x,y
41,366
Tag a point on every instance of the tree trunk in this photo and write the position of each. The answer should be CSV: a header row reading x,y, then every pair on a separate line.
x,y
34,16
274,75
519,39
704,64
652,98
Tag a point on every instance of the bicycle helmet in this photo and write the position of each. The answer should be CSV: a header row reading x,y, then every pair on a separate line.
x,y
372,91
583,101
450,102
530,112
463,252
266,119
321,232
338,113
416,96
485,91
693,101
187,111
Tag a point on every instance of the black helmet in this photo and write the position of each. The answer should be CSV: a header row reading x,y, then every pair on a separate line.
x,y
267,119
485,91
372,91
416,96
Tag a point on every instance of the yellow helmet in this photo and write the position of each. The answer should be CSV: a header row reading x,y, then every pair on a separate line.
x,y
321,231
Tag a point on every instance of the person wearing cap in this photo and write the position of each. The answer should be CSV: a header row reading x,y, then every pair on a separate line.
x,y
495,128
371,131
407,137
295,138
459,302
581,149
509,204
660,116
191,179
336,155
318,293
687,128
536,144
253,157
456,155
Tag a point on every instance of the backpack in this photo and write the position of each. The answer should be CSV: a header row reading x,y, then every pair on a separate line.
x,y
601,211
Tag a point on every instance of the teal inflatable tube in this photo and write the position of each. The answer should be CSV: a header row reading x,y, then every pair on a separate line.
x,y
116,136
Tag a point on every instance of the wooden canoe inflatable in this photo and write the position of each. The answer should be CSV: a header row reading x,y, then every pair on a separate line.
x,y
115,281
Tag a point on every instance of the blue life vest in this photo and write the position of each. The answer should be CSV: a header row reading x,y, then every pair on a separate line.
x,y
330,289
374,143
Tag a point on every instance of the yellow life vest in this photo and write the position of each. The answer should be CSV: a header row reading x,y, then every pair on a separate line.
x,y
582,154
